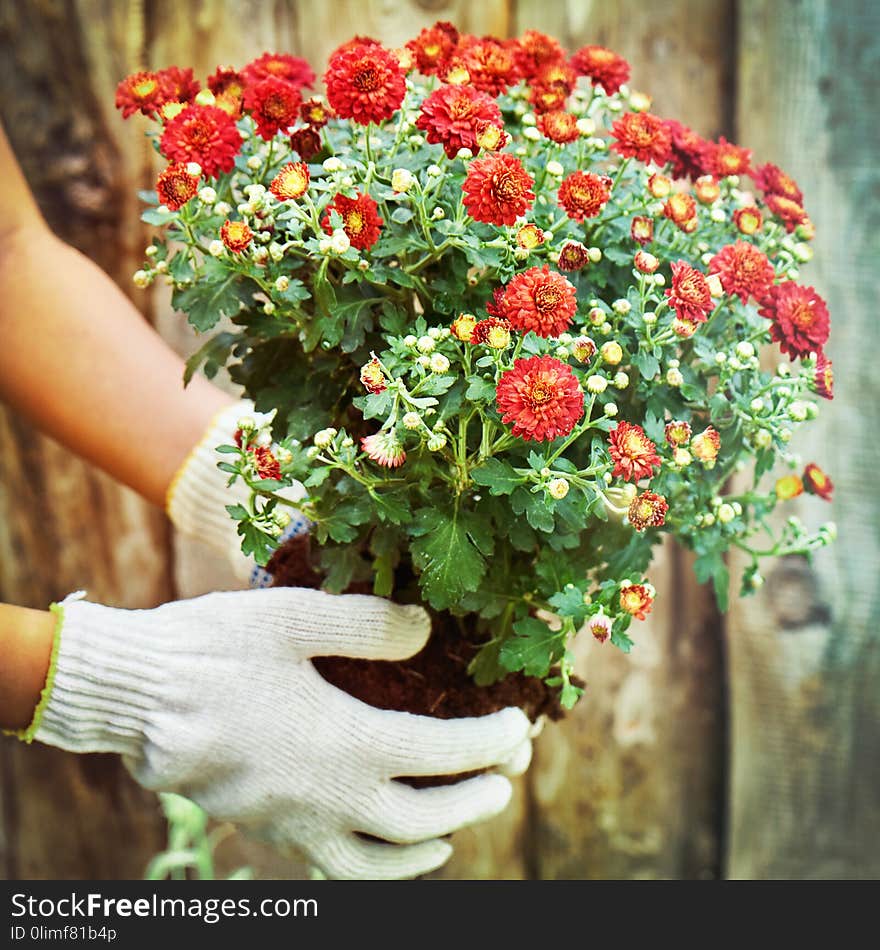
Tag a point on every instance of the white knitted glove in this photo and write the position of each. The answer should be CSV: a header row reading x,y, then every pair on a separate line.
x,y
198,495
215,699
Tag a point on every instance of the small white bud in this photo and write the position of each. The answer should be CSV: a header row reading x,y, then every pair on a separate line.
x,y
141,278
745,350
763,438
255,163
410,340
558,488
798,411
726,513
437,442
585,126
424,361
596,383
333,164
718,215
439,363
269,308
464,153
438,214
650,318
194,169
555,168
621,306
402,179
594,254
151,250
324,438
659,280
340,241
434,171
674,378
222,208
412,420
621,380
757,404
425,344
610,409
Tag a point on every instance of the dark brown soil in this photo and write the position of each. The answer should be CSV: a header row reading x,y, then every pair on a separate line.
x,y
434,682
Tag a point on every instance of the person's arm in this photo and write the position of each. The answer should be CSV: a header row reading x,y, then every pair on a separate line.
x,y
80,361
26,638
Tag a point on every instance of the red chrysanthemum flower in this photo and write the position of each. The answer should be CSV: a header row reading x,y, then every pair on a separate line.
x,y
203,134
384,448
559,126
175,186
744,270
292,69
788,487
140,92
273,105
689,293
636,600
291,182
236,235
315,113
791,213
724,158
450,116
678,433
633,453
681,209
706,445
268,467
800,320
541,397
584,194
360,220
642,229
227,84
602,66
497,189
772,180
357,40
643,136
432,48
748,220
365,84
573,256
816,482
491,66
823,378
541,300
306,143
178,85
372,377
494,333
536,50
648,510
690,151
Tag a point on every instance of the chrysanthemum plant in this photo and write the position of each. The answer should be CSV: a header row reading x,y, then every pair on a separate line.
x,y
508,321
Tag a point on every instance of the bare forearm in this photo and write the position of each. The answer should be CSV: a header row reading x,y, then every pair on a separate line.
x,y
79,360
25,647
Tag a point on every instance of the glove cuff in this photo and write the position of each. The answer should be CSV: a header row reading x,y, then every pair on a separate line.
x,y
197,496
102,686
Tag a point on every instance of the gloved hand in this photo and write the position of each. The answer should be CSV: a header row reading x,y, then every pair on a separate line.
x,y
198,495
215,699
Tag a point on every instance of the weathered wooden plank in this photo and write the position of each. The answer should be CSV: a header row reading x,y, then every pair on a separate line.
x,y
629,785
805,654
63,525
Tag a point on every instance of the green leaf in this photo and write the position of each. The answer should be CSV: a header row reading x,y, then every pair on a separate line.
x,y
158,216
449,561
340,565
480,389
648,364
499,477
207,301
486,667
534,648
570,603
212,355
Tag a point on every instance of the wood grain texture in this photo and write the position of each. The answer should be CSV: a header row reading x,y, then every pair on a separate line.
x,y
629,784
805,654
62,524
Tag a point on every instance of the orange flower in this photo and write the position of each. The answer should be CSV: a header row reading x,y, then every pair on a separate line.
x,y
689,293
772,180
360,219
788,487
291,182
636,600
678,433
559,126
268,467
725,158
140,92
823,378
573,256
706,445
175,186
451,115
744,271
647,510
707,190
462,327
433,47
493,332
642,229
539,299
372,377
790,212
748,220
681,209
816,482
633,453
236,235
293,69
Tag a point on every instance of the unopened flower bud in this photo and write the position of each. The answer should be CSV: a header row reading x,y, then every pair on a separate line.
x,y
555,168
726,513
594,254
412,420
434,171
410,340
646,263
596,384
439,363
757,404
763,438
425,344
583,349
254,163
596,316
333,164
437,442
610,409
141,278
674,378
438,214
402,180
282,283
612,352
339,241
798,411
621,380
207,195
324,438
745,350
681,457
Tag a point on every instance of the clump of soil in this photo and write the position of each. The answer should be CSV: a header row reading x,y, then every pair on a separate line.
x,y
434,682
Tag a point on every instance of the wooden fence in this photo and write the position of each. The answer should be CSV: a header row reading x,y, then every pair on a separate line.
x,y
745,746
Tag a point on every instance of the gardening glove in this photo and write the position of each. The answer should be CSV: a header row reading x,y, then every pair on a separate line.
x,y
198,495
216,699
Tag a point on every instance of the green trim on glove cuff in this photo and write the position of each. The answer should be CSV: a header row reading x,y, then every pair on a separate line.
x,y
27,734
